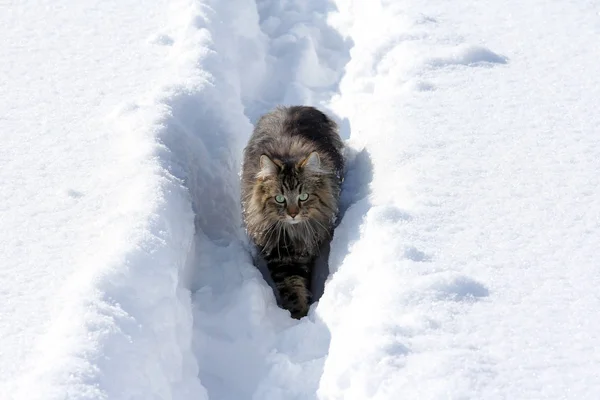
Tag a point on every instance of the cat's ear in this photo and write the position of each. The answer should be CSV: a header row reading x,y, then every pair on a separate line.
x,y
312,163
267,167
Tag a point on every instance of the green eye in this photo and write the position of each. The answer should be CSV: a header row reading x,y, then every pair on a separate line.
x,y
303,196
280,198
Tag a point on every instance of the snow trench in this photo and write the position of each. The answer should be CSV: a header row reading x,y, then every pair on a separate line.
x,y
260,55
250,57
181,312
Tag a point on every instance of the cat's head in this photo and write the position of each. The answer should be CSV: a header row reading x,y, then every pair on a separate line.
x,y
294,191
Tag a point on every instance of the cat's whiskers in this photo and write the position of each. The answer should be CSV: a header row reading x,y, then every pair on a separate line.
x,y
322,226
315,239
285,233
268,235
279,237
311,233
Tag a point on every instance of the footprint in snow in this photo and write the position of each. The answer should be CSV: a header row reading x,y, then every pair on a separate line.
x,y
457,287
468,55
74,193
161,39
414,254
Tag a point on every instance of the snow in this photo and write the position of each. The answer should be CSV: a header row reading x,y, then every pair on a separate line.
x,y
464,264
486,179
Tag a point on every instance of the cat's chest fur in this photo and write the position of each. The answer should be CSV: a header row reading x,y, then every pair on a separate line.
x,y
292,241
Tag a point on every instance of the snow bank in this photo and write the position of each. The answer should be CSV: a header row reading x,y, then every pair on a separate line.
x,y
245,345
450,288
124,327
94,227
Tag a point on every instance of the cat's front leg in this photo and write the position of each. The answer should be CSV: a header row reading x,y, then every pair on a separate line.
x,y
292,282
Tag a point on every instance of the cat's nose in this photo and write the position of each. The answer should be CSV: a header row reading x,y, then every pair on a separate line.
x,y
293,211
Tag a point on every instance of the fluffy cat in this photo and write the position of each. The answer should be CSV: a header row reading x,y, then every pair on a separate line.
x,y
291,181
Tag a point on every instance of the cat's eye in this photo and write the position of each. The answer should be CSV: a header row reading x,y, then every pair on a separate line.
x,y
280,198
303,196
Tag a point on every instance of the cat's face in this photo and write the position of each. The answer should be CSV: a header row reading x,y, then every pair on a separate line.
x,y
293,193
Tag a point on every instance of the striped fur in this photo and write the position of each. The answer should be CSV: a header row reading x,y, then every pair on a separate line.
x,y
293,152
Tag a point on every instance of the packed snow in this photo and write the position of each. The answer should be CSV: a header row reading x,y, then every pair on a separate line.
x,y
465,262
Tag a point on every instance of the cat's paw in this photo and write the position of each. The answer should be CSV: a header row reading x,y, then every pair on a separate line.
x,y
296,302
299,312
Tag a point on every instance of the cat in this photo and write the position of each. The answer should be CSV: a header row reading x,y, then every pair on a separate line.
x,y
291,181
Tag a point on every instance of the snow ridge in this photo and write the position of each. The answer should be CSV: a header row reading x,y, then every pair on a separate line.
x,y
386,309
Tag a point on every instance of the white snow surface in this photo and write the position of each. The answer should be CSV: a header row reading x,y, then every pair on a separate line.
x,y
465,264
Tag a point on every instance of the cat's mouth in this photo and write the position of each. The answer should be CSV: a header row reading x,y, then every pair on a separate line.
x,y
293,221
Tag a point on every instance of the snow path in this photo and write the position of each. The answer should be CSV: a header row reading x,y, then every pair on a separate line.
x,y
465,264
245,345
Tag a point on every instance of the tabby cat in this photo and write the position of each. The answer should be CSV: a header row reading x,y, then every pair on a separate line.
x,y
291,178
